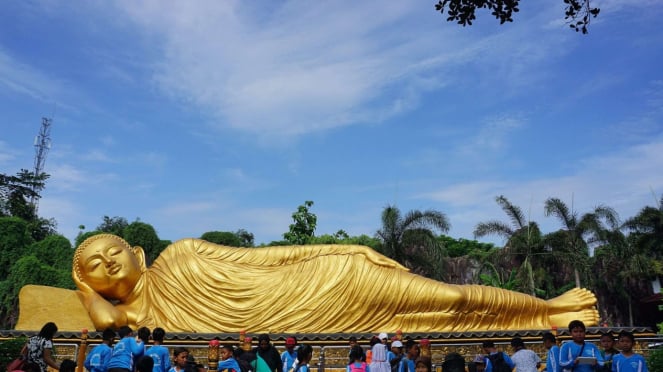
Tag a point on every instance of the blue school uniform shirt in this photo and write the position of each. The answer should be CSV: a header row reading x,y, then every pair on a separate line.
x,y
161,358
229,365
634,363
569,352
552,361
98,358
124,352
406,365
288,359
140,354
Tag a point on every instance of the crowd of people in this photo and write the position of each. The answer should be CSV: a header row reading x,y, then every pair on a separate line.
x,y
131,353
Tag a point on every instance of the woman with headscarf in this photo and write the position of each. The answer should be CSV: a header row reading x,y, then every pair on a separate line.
x,y
379,362
267,356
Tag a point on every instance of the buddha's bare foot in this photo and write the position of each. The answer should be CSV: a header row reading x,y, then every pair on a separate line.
x,y
588,316
572,300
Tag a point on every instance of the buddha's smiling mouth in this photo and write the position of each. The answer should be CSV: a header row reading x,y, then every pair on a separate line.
x,y
114,269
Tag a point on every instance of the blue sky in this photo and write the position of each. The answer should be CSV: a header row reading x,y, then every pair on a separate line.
x,y
221,115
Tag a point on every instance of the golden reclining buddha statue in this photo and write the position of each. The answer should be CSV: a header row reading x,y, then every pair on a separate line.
x,y
198,286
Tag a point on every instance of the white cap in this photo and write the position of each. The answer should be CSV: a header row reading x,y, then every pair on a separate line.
x,y
382,336
396,344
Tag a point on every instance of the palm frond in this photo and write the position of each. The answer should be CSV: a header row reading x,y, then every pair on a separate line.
x,y
514,212
493,228
556,207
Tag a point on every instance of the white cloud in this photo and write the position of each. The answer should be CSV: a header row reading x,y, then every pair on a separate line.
x,y
623,180
67,178
25,80
67,213
306,67
194,217
184,209
7,154
151,160
495,133
97,156
465,194
108,141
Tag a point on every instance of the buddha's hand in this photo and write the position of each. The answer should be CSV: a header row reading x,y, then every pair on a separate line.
x,y
86,294
102,312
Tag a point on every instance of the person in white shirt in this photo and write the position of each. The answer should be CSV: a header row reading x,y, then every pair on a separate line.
x,y
524,359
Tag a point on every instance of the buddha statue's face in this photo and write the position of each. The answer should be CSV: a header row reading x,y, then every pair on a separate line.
x,y
109,267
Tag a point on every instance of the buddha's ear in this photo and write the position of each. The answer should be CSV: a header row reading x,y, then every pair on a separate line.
x,y
140,256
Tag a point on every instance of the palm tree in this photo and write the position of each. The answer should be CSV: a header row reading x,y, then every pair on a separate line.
x,y
625,269
576,228
647,227
643,261
523,238
410,239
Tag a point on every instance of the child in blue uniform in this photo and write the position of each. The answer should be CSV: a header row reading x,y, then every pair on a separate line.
x,y
181,356
304,355
97,359
552,360
571,351
627,360
122,358
158,352
289,356
228,362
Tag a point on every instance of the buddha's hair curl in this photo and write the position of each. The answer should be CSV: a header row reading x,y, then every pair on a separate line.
x,y
86,243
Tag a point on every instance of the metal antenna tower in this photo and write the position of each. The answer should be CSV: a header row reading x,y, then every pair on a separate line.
x,y
42,145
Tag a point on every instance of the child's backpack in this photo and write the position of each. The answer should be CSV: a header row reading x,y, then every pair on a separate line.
x,y
453,362
357,368
498,362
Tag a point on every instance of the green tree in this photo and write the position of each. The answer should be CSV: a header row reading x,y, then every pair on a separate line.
x,y
523,240
578,13
80,238
17,191
113,225
246,239
303,228
9,349
325,239
28,270
15,195
341,237
636,259
647,229
222,237
624,271
575,229
368,241
410,239
462,247
14,241
143,235
495,278
55,251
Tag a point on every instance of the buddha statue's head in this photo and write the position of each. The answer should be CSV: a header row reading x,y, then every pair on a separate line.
x,y
108,265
